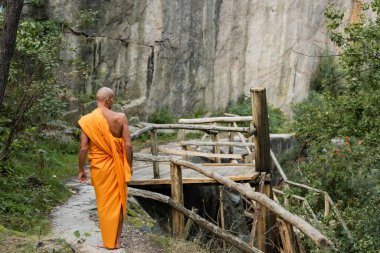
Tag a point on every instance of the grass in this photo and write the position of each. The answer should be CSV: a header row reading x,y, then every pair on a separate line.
x,y
34,186
13,241
137,218
176,245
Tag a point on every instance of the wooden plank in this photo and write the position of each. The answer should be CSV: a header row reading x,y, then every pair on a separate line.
x,y
178,220
195,153
156,168
150,158
192,180
215,120
250,165
218,143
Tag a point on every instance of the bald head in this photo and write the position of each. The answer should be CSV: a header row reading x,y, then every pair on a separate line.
x,y
104,93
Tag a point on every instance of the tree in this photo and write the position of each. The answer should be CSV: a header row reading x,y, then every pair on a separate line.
x,y
33,94
8,40
340,125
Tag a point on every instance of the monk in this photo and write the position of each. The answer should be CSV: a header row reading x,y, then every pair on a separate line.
x,y
106,139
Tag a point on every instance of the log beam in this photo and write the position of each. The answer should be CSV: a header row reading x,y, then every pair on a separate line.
x,y
178,220
233,240
154,149
216,120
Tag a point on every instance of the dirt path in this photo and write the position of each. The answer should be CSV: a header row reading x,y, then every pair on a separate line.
x,y
76,222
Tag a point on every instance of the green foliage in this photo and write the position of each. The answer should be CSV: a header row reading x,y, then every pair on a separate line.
x,y
36,3
86,18
33,93
243,107
29,192
197,113
162,116
340,127
77,233
33,169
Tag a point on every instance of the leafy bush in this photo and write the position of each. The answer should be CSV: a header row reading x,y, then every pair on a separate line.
x,y
340,127
33,187
33,93
243,107
86,18
162,116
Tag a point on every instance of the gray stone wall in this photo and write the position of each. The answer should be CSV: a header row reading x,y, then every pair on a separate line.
x,y
197,54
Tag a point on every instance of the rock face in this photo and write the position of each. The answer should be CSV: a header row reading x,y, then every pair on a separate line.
x,y
189,55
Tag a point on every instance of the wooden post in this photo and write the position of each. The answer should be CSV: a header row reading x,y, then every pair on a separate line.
x,y
221,209
178,220
265,223
257,212
231,139
181,135
185,157
189,224
225,235
327,206
287,236
215,137
260,121
154,148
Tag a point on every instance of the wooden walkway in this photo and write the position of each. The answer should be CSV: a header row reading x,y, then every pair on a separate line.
x,y
143,174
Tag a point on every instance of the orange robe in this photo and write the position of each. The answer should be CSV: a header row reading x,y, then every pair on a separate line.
x,y
109,173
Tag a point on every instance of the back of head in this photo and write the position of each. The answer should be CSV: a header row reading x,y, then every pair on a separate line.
x,y
104,93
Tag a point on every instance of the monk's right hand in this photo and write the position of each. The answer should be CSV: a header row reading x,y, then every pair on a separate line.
x,y
82,176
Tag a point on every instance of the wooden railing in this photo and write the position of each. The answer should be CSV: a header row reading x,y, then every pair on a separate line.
x,y
262,201
177,202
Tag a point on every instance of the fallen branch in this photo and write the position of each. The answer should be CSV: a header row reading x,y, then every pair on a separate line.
x,y
235,241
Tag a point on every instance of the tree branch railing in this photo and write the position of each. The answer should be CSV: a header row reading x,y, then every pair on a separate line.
x,y
152,129
319,239
328,202
258,127
206,128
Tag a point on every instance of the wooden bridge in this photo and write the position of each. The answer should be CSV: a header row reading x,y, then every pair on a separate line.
x,y
239,159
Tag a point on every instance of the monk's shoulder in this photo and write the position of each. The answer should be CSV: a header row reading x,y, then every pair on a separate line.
x,y
120,117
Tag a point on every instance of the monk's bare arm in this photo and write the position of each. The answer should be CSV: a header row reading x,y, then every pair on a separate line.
x,y
84,141
127,139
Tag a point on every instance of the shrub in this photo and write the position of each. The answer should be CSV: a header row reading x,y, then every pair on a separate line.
x,y
243,107
162,116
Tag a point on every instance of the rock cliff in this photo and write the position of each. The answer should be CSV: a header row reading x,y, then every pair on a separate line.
x,y
197,54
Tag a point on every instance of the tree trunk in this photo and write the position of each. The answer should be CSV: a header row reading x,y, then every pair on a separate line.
x,y
8,41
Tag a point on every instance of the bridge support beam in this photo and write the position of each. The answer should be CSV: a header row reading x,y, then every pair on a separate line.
x,y
265,224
